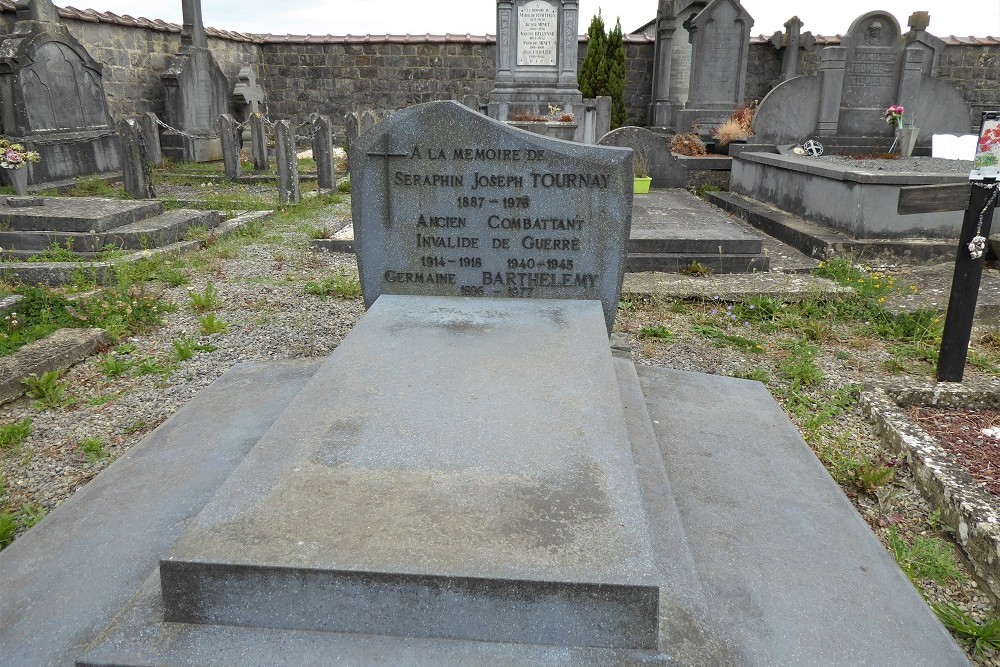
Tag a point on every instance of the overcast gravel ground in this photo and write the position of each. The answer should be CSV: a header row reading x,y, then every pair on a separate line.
x,y
261,284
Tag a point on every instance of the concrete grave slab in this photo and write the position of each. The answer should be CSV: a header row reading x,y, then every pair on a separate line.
x,y
486,527
449,202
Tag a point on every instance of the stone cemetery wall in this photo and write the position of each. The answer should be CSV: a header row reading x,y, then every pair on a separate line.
x,y
135,53
333,76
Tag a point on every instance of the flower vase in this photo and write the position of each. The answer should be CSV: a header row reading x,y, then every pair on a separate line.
x,y
19,179
907,139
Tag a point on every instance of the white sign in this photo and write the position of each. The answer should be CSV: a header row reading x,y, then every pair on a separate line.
x,y
537,34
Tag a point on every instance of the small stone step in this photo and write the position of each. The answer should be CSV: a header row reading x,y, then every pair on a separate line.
x,y
645,244
76,214
822,242
154,232
675,262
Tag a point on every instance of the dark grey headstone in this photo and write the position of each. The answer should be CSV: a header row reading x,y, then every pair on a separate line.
x,y
536,58
53,98
449,202
322,142
196,93
229,132
720,46
258,143
666,170
137,175
151,134
287,162
367,122
873,68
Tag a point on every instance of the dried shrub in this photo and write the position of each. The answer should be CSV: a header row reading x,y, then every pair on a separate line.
x,y
688,143
729,132
525,115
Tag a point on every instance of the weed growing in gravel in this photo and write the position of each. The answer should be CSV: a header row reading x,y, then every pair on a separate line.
x,y
8,527
206,300
93,449
210,324
720,338
102,399
150,366
928,558
185,347
344,185
95,186
31,514
48,390
660,333
976,635
340,285
135,427
323,232
800,368
758,374
112,365
12,435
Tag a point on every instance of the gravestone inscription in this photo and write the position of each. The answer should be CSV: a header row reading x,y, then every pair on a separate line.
x,y
451,203
537,34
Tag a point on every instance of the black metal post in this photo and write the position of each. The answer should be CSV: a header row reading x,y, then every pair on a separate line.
x,y
965,284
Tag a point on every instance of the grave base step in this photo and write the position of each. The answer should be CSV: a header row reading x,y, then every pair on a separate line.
x,y
678,262
639,244
822,242
149,233
76,214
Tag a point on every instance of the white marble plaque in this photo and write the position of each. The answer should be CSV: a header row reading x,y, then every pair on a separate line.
x,y
537,34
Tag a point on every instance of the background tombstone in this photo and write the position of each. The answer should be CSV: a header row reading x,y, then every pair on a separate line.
x,y
471,101
367,121
322,142
720,47
352,128
229,132
287,163
449,202
932,47
671,60
872,69
665,169
137,175
53,98
790,42
151,134
536,57
249,98
196,94
258,143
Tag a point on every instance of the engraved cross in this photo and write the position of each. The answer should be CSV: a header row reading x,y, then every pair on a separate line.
x,y
386,155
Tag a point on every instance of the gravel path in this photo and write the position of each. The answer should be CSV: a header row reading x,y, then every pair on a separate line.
x,y
918,164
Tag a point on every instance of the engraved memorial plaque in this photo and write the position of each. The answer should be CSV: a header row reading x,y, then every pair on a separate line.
x,y
449,202
537,34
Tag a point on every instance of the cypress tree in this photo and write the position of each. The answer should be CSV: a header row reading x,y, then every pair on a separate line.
x,y
594,71
616,76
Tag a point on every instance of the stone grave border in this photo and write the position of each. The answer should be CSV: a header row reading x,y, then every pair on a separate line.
x,y
61,273
965,506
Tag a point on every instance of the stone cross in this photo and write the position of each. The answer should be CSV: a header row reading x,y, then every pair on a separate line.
x,y
36,10
919,21
791,41
193,32
248,90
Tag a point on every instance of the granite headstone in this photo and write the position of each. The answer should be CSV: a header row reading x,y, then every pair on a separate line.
x,y
287,162
664,167
136,170
196,93
258,142
671,61
322,142
151,135
53,99
229,132
536,58
873,68
720,47
449,202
